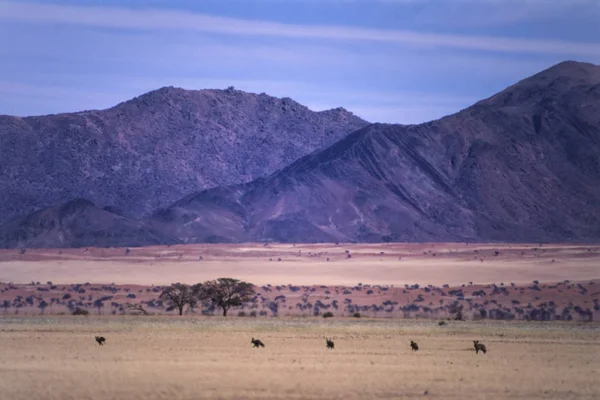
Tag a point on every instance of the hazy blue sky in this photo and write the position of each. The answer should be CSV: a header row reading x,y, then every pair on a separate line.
x,y
400,61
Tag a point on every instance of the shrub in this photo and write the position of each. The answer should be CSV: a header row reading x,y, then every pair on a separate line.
x,y
241,314
356,315
328,314
253,313
80,311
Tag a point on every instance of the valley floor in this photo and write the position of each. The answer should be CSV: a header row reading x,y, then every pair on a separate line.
x,y
439,281
307,264
211,357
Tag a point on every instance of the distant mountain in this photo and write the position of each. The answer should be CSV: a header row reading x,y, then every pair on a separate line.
x,y
522,165
150,151
78,223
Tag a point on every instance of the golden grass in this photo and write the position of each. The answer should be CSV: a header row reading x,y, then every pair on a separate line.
x,y
196,358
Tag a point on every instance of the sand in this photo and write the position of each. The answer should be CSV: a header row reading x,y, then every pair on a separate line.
x,y
212,358
278,264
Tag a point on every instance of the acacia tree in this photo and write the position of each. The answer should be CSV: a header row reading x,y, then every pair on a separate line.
x,y
225,292
42,305
177,296
99,304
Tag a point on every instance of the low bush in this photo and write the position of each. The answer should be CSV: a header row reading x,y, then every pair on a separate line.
x,y
80,311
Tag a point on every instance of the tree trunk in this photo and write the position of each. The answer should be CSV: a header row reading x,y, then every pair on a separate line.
x,y
224,312
181,310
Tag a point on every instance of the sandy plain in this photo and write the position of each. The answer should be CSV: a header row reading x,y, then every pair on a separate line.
x,y
175,358
307,264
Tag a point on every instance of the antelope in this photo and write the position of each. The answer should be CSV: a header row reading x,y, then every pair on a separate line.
x,y
414,346
330,344
479,346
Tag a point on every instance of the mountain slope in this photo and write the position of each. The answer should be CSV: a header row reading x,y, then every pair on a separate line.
x,y
523,165
152,150
78,223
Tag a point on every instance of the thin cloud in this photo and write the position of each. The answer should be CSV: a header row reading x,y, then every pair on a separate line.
x,y
152,19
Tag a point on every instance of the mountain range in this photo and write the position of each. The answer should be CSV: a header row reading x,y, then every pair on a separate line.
x,y
520,166
152,150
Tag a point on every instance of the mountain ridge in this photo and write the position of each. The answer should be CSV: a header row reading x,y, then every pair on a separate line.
x,y
473,175
149,151
78,223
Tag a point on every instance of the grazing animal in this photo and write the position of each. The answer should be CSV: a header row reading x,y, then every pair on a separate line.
x,y
330,344
100,340
479,346
414,346
442,323
257,343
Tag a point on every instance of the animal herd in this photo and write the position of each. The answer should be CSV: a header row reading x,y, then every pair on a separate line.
x,y
329,345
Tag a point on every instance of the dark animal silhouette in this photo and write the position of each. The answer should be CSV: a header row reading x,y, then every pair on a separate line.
x,y
479,346
330,344
257,343
100,340
442,323
414,346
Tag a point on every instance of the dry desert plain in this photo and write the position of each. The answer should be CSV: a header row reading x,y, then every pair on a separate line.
x,y
307,264
173,358
170,357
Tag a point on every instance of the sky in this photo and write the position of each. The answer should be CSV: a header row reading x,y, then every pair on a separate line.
x,y
399,61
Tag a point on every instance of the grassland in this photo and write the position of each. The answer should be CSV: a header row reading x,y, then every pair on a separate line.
x,y
195,358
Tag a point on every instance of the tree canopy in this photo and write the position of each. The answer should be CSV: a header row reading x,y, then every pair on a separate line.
x,y
177,296
225,292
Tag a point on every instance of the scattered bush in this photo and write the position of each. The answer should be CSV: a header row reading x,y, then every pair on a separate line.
x,y
80,311
356,315
328,314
